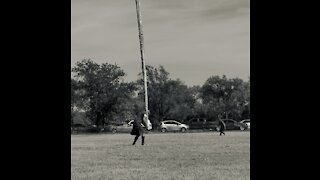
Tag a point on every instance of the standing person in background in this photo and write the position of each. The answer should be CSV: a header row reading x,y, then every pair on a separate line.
x,y
222,125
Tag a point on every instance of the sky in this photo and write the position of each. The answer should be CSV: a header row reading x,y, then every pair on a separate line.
x,y
192,39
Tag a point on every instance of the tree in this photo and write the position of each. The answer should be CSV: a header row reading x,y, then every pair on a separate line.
x,y
103,90
180,100
167,98
225,96
75,98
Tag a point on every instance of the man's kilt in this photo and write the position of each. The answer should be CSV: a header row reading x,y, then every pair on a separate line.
x,y
137,129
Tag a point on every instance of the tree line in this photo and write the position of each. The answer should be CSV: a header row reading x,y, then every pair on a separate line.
x,y
101,91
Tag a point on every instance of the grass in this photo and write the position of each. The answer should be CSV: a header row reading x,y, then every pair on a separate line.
x,y
177,156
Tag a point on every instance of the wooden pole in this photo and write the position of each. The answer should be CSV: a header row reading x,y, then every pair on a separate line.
x,y
142,56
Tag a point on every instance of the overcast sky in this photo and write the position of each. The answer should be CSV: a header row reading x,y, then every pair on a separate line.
x,y
192,39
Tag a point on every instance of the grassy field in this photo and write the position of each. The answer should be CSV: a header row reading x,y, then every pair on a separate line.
x,y
164,156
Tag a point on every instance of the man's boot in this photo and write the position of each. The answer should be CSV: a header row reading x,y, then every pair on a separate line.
x,y
142,143
135,140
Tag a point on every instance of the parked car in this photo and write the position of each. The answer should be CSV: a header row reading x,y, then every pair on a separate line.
x,y
81,128
201,123
246,121
233,125
173,125
76,128
126,127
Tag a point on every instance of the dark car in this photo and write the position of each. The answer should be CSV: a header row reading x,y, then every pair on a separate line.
x,y
233,125
81,128
201,123
124,128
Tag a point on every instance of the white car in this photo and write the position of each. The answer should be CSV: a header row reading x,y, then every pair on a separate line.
x,y
246,121
172,125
